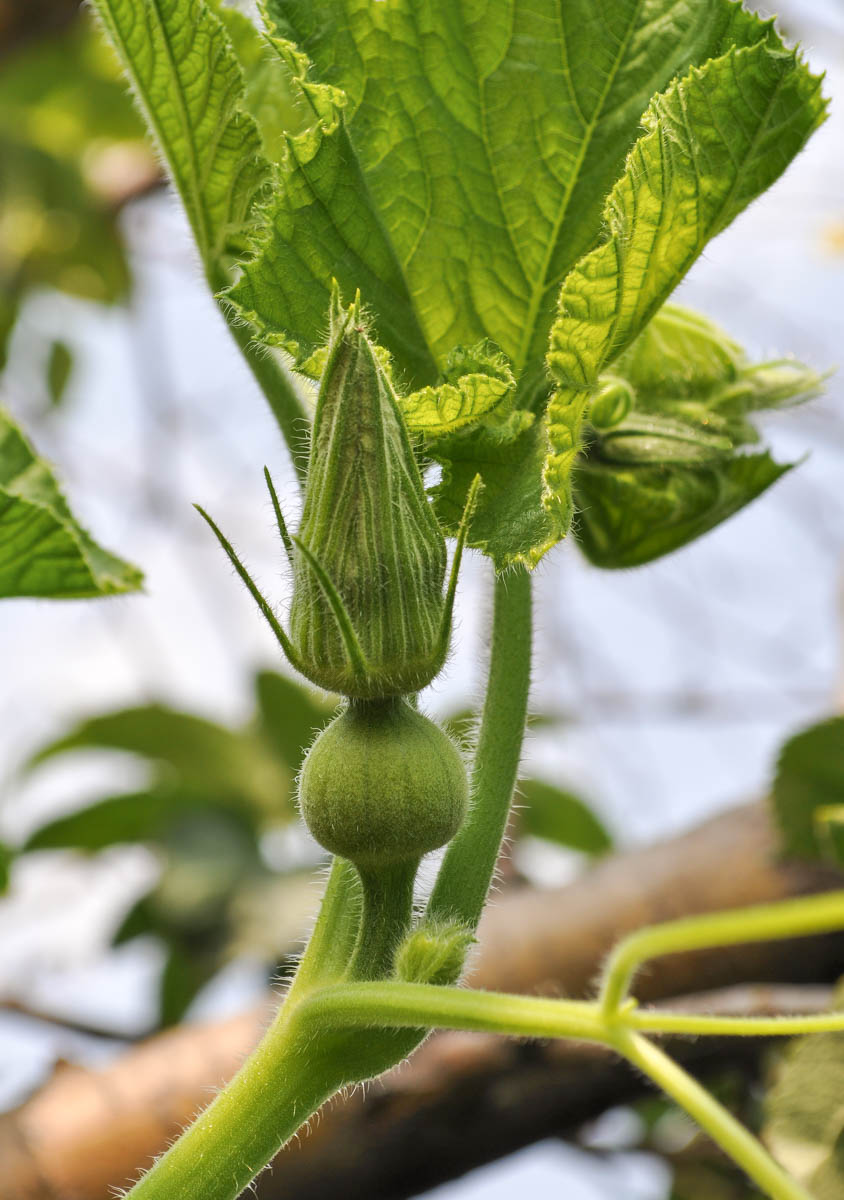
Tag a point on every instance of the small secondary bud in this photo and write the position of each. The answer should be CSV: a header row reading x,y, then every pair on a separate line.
x,y
433,953
368,615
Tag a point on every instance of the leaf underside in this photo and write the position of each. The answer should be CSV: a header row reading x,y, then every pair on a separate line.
x,y
458,171
43,549
464,161
189,84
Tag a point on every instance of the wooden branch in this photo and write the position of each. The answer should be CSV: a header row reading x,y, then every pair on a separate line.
x,y
23,21
462,1099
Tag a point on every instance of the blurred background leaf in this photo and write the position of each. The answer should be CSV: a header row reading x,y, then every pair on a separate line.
x,y
214,794
44,551
808,786
71,151
562,817
804,1107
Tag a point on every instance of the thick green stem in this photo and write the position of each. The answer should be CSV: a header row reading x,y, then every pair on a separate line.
x,y
387,910
469,863
283,1082
390,1004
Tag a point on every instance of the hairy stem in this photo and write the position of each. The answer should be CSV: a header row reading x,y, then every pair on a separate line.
x,y
332,942
390,1004
281,1084
387,910
466,873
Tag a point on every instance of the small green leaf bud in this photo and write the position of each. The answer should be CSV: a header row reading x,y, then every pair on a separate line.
x,y
368,610
433,953
611,402
382,784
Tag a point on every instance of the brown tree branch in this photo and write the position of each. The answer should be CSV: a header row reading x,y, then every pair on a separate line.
x,y
23,21
463,1099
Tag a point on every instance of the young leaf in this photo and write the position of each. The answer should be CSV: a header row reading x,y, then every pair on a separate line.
x,y
810,777
511,523
43,549
561,817
436,411
714,140
459,162
630,515
189,84
690,391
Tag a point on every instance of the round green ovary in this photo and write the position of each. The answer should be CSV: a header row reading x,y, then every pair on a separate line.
x,y
382,784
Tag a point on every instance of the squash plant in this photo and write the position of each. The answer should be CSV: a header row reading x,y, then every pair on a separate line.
x,y
468,240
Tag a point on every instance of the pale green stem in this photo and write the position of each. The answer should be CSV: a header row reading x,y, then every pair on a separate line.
x,y
736,1141
467,869
375,1005
701,1025
768,922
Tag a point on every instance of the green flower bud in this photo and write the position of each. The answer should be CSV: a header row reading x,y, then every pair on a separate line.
x,y
368,617
434,952
382,784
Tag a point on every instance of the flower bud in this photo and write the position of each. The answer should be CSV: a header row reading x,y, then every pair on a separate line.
x,y
368,617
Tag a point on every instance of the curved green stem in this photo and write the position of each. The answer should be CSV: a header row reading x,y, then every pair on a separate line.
x,y
467,869
762,923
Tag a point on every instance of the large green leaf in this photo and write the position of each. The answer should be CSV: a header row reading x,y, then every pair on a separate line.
x,y
460,161
809,779
714,140
43,549
189,84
